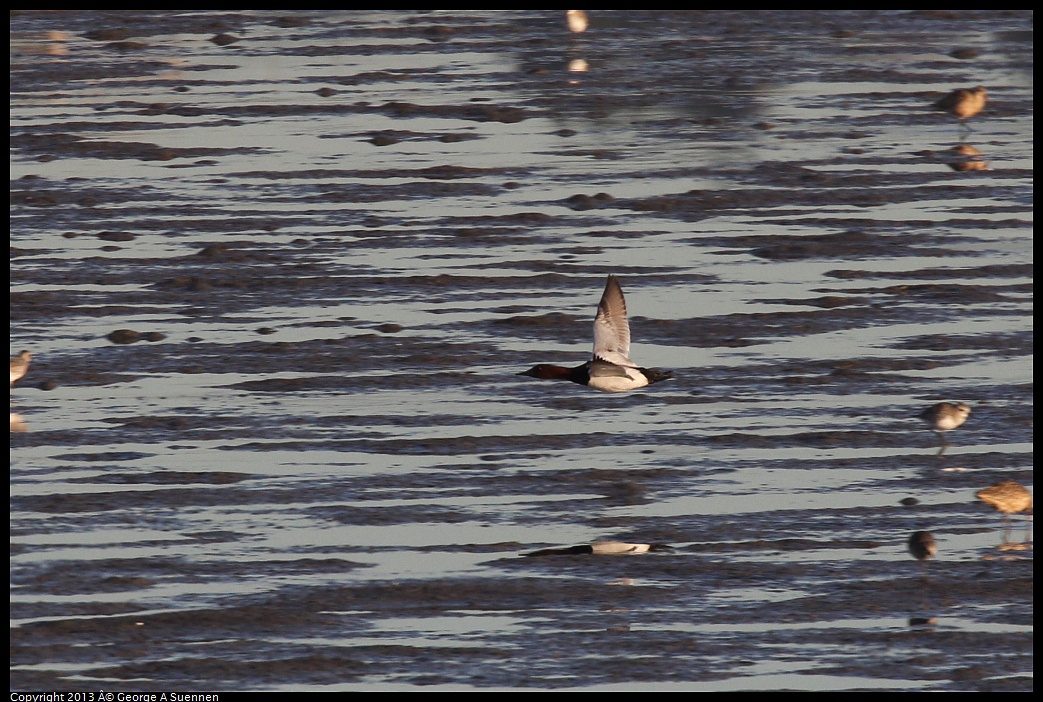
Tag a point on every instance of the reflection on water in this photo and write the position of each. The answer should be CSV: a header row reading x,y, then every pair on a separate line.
x,y
278,289
968,159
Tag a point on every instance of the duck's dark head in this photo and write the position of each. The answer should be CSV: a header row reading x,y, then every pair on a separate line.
x,y
547,371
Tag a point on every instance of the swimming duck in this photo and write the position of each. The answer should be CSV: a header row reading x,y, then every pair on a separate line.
x,y
601,548
610,369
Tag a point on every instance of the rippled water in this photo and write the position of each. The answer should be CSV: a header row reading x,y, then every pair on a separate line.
x,y
341,235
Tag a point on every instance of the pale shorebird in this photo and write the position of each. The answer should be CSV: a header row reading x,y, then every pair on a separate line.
x,y
20,366
945,416
963,103
576,20
610,369
1009,498
601,548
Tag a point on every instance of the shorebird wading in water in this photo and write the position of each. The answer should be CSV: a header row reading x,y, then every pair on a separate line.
x,y
577,21
945,416
1009,498
963,103
923,547
20,365
610,369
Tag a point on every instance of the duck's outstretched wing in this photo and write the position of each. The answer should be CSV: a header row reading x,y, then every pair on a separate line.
x,y
611,328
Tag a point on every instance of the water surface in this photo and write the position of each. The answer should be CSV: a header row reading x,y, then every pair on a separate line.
x,y
341,235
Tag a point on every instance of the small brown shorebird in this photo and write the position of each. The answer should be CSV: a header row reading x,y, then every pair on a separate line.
x,y
922,545
945,416
1009,498
20,366
963,103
